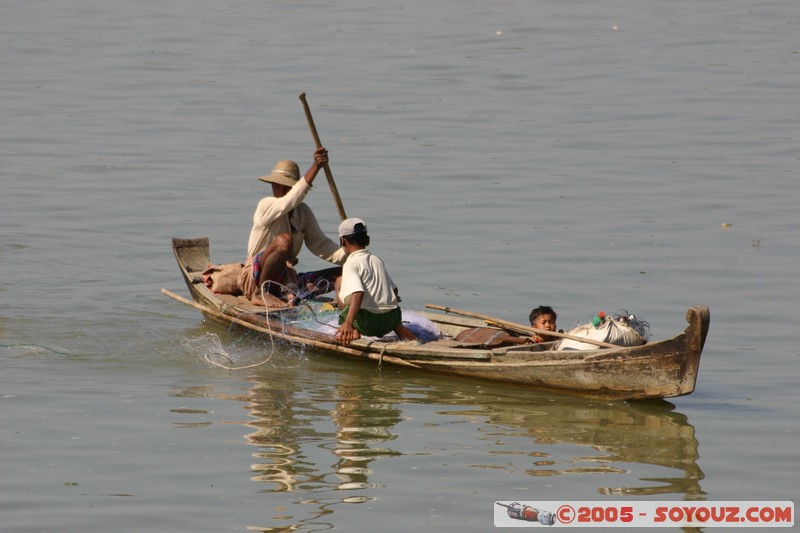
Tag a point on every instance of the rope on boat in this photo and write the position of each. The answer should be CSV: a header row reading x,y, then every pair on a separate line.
x,y
380,356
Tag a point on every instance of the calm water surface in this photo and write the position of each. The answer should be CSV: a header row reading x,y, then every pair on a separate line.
x,y
612,155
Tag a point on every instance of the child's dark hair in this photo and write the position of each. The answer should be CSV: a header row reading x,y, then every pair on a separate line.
x,y
542,310
359,239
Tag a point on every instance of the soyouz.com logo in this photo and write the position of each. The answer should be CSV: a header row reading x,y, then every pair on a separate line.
x,y
643,514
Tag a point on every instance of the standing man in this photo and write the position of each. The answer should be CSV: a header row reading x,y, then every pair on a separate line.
x,y
281,224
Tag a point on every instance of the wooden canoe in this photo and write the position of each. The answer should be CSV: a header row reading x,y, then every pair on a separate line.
x,y
660,369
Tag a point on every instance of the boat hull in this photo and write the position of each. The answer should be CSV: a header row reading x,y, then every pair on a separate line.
x,y
660,369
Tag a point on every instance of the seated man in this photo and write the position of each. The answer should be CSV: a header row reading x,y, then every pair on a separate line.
x,y
281,224
367,294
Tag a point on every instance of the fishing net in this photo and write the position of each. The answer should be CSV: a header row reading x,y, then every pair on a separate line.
x,y
318,314
311,313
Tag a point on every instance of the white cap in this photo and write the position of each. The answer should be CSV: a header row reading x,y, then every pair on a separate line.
x,y
351,226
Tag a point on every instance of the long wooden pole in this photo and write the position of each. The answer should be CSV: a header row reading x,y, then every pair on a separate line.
x,y
519,328
327,168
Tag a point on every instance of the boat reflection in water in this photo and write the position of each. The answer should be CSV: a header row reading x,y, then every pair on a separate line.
x,y
640,433
317,433
283,425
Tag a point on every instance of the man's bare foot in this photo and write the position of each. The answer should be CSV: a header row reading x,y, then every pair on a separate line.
x,y
267,300
347,336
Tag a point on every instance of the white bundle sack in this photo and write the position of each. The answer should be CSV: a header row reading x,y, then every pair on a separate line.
x,y
611,331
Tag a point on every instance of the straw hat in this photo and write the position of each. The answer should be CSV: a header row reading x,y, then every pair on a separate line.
x,y
285,173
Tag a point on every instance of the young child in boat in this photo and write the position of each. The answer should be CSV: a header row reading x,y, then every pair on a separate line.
x,y
543,317
366,294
